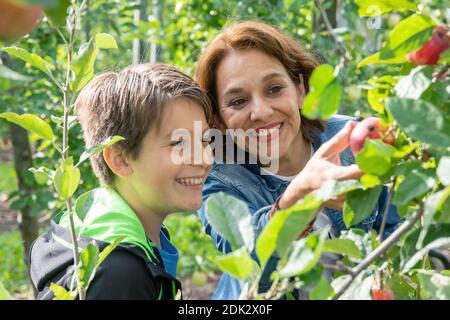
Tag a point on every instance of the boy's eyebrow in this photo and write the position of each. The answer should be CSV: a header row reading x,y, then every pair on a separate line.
x,y
169,135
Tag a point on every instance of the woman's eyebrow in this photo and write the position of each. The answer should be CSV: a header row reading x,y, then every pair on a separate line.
x,y
272,75
266,78
232,91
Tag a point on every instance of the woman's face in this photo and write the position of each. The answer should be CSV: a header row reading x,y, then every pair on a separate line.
x,y
254,91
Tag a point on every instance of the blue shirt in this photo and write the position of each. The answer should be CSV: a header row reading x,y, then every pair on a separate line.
x,y
169,254
259,192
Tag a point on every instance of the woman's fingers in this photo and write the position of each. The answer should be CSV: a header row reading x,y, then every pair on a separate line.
x,y
348,172
338,143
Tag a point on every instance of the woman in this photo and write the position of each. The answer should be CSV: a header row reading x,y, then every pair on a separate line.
x,y
258,79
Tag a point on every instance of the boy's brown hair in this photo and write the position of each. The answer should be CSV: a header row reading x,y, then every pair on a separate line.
x,y
130,103
262,36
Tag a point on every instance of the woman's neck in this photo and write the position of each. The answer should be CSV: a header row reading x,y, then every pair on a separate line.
x,y
296,157
150,220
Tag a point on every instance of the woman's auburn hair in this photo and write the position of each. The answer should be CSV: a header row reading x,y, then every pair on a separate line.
x,y
259,35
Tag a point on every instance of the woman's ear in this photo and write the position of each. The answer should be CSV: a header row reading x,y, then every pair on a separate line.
x,y
117,161
218,124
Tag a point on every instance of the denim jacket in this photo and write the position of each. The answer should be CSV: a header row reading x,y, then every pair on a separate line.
x,y
259,192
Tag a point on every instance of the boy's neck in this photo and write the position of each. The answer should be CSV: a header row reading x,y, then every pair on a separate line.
x,y
151,221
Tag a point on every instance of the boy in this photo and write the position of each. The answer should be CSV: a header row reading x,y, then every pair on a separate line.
x,y
142,184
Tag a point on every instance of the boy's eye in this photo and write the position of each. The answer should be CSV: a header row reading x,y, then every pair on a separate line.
x,y
237,103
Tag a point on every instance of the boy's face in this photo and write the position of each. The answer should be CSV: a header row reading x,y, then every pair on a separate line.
x,y
159,180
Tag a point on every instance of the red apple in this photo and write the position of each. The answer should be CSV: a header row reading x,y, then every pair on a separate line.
x,y
431,51
368,128
382,294
17,20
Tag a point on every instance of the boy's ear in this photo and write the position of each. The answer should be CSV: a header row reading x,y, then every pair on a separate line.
x,y
218,124
117,161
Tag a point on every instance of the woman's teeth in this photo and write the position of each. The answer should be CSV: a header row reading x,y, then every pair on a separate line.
x,y
267,132
190,181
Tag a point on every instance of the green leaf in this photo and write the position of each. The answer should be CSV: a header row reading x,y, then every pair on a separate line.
x,y
105,41
99,148
31,123
443,171
436,285
108,249
419,254
359,289
402,290
322,291
88,261
304,255
433,204
370,181
342,246
42,175
7,73
60,293
368,8
4,294
415,184
284,227
83,64
375,157
57,12
33,59
67,179
359,205
409,35
376,59
324,94
332,189
413,85
376,97
231,219
84,203
237,263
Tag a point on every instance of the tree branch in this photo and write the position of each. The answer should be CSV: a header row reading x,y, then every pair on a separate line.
x,y
382,248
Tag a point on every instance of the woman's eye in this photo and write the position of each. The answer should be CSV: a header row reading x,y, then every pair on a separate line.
x,y
275,89
237,103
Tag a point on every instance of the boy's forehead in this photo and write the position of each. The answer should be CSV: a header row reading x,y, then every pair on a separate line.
x,y
182,114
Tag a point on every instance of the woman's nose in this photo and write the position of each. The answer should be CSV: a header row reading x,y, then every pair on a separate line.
x,y
261,110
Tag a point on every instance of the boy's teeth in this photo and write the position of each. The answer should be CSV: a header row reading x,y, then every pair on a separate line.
x,y
190,181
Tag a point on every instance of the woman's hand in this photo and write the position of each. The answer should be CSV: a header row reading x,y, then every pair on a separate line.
x,y
325,165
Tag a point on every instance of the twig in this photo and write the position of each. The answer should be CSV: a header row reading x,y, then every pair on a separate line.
x,y
339,267
441,74
382,248
341,47
385,213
